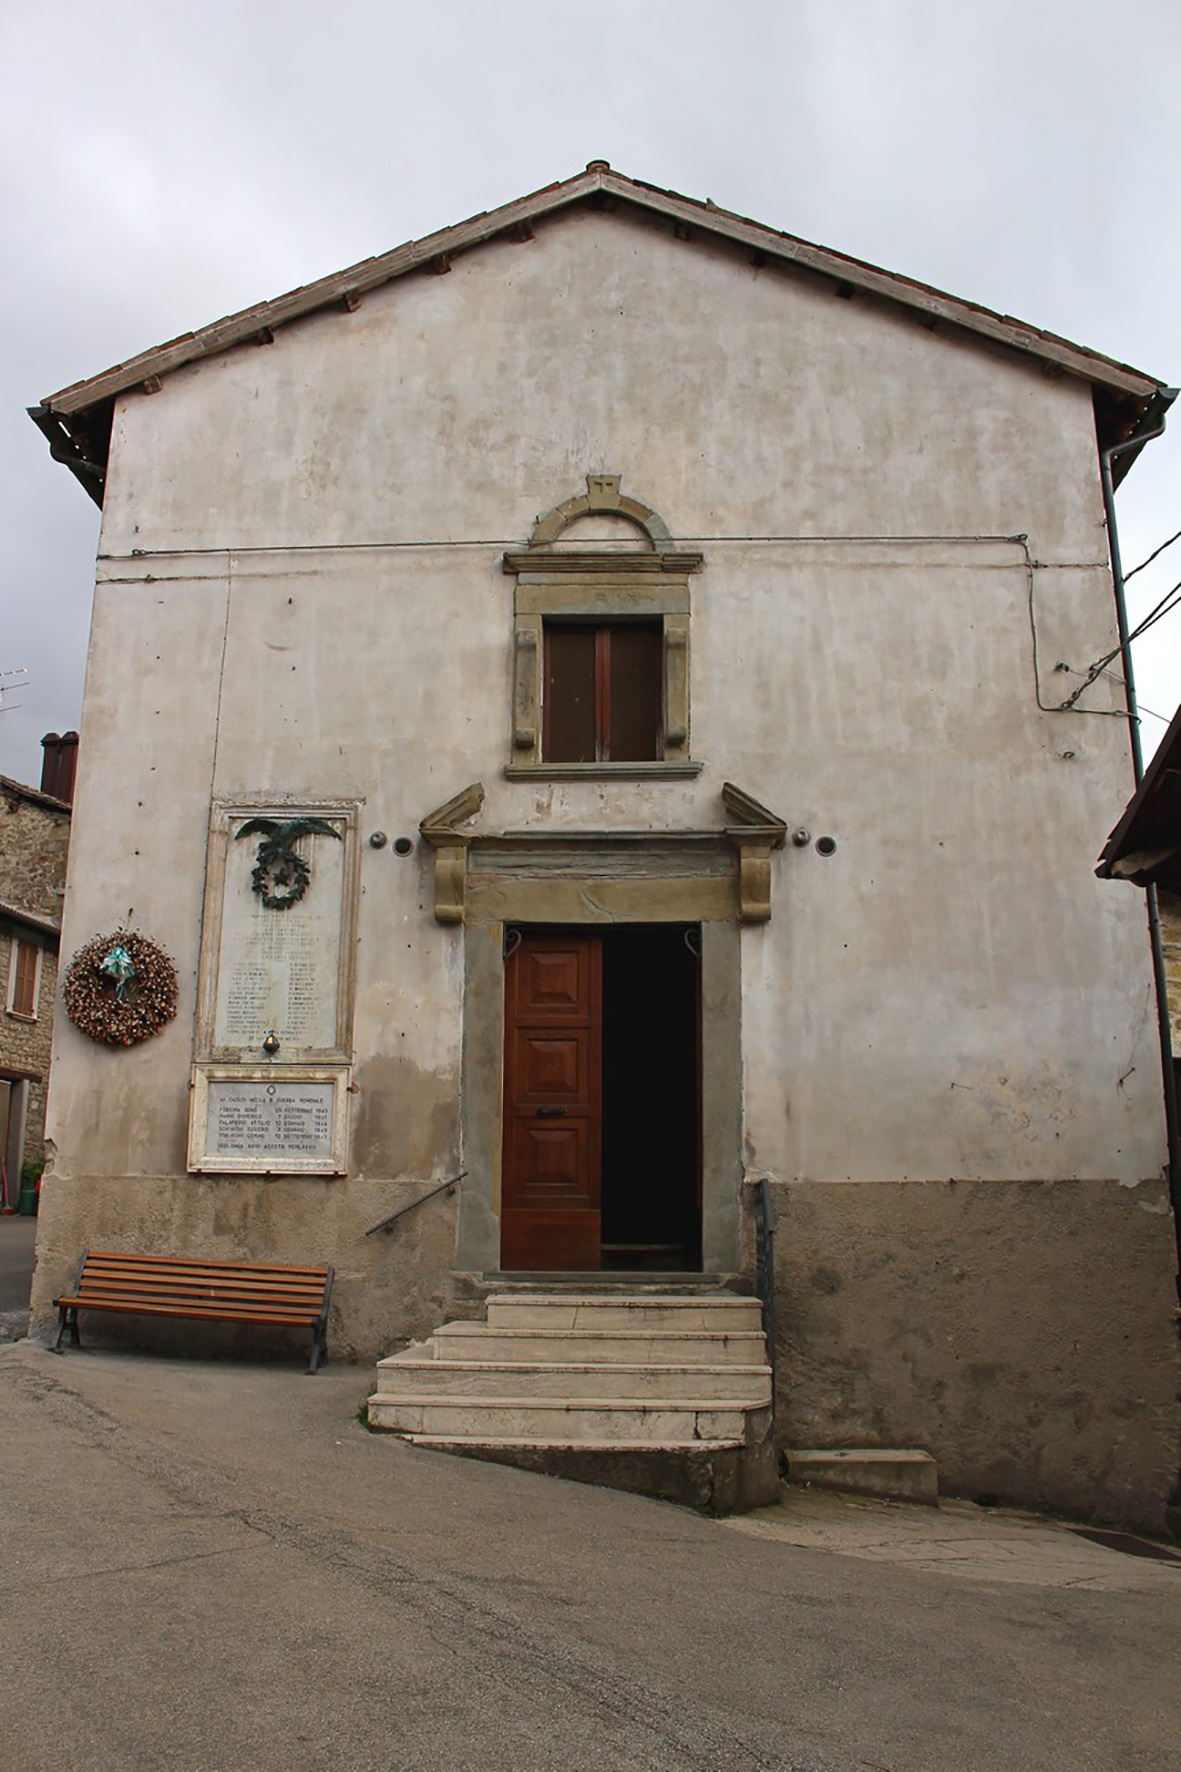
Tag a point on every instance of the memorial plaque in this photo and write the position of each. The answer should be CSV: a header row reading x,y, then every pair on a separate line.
x,y
280,967
270,1120
274,1022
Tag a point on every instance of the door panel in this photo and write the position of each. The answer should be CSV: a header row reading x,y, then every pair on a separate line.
x,y
551,1070
553,1037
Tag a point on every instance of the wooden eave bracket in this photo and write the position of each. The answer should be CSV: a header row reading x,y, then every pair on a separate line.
x,y
1140,866
755,833
451,847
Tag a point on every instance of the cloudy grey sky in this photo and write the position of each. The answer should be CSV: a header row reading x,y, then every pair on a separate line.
x,y
163,166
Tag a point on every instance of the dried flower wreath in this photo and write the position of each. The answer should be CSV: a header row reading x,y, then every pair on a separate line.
x,y
120,989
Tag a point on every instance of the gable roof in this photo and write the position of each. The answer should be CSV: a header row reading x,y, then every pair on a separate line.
x,y
77,420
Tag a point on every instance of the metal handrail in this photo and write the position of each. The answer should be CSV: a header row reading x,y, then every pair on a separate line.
x,y
765,1270
444,1187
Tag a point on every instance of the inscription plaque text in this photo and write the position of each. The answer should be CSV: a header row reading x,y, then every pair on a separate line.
x,y
259,1121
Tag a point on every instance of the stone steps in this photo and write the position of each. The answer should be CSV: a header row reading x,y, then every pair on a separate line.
x,y
637,1421
662,1392
505,1442
632,1347
636,1316
412,1375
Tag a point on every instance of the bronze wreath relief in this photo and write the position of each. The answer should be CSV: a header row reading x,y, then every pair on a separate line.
x,y
281,876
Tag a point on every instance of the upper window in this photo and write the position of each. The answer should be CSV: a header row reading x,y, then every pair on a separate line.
x,y
602,696
601,650
24,974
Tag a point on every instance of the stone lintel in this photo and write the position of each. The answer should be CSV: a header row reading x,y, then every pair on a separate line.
x,y
609,865
537,563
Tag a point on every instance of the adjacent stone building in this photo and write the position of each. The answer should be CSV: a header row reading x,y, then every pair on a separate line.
x,y
1145,848
1170,917
576,699
34,841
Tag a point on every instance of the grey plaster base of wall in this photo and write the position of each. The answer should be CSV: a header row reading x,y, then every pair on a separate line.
x,y
1023,1333
389,1288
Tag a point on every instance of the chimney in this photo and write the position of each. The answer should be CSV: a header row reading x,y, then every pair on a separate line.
x,y
59,765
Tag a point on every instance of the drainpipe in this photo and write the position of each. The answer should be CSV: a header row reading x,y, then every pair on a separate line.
x,y
1153,426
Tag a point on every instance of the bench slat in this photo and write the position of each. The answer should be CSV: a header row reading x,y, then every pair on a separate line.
x,y
203,1283
307,1308
164,1310
98,1260
229,1261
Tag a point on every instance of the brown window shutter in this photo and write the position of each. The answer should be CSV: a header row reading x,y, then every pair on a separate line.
x,y
24,989
569,723
634,682
603,693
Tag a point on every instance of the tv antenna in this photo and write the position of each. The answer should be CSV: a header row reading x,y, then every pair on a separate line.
x,y
8,682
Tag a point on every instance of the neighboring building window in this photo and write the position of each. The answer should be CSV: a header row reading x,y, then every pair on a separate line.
x,y
24,975
602,693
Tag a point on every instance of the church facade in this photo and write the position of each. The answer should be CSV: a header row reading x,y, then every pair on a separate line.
x,y
575,702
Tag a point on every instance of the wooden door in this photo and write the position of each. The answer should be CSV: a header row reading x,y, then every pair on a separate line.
x,y
552,1087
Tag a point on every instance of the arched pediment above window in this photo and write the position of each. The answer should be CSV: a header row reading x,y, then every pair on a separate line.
x,y
602,498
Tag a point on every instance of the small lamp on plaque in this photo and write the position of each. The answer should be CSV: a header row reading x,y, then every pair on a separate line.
x,y
270,1043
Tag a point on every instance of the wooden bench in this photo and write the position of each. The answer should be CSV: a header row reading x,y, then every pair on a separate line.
x,y
216,1291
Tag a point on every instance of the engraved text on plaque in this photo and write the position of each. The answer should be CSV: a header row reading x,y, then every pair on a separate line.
x,y
270,1121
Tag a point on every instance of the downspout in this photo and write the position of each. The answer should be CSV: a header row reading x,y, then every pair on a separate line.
x,y
1154,428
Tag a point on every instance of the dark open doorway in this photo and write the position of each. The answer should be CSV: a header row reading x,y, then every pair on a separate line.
x,y
651,1197
601,1105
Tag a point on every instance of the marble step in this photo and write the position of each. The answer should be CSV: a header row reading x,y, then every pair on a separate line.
x,y
411,1373
466,1442
643,1315
630,1347
893,1473
560,1420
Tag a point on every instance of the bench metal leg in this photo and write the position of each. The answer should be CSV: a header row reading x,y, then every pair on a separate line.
x,y
67,1318
319,1346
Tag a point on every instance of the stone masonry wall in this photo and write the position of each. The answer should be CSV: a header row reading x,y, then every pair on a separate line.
x,y
34,838
25,1044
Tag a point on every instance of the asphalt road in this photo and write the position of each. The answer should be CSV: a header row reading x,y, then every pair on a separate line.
x,y
17,1236
215,1568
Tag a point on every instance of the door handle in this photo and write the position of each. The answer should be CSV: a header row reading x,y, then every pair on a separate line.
x,y
550,1113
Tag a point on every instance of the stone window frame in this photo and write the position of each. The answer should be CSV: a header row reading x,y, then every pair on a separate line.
x,y
16,945
600,585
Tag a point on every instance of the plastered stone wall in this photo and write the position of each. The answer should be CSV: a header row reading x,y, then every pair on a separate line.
x,y
300,593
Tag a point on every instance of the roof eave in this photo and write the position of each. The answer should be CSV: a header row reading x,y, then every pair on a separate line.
x,y
1135,834
79,440
22,919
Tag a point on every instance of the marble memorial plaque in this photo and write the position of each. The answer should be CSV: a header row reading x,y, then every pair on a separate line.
x,y
280,967
287,1120
270,1120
